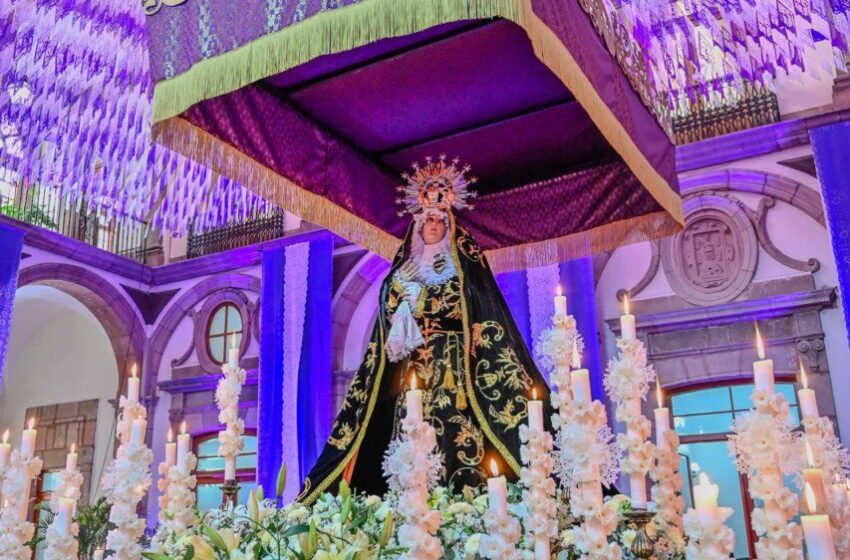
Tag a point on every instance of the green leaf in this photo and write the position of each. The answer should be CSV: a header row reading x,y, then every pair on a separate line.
x,y
387,531
295,530
190,553
155,556
214,537
260,493
346,506
344,490
281,480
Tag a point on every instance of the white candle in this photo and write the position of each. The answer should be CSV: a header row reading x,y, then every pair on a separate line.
x,y
5,450
497,490
233,354
414,401
71,459
817,531
133,385
64,515
662,417
813,478
98,554
705,500
229,467
541,549
170,450
183,443
535,412
637,490
762,369
28,440
580,383
628,326
806,396
560,303
137,431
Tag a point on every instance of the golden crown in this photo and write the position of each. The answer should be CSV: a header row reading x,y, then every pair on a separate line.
x,y
437,184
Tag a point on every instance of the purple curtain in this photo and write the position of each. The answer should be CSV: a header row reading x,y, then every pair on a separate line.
x,y
11,242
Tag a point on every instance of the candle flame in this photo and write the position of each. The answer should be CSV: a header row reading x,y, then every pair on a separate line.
x,y
73,448
134,370
183,427
170,435
759,343
560,290
31,423
626,304
6,436
804,379
576,357
413,383
534,393
703,479
810,457
494,467
811,501
658,396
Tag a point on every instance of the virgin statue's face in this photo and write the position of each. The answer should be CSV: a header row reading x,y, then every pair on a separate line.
x,y
433,229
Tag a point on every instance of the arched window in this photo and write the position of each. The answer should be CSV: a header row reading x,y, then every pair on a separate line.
x,y
225,321
210,469
702,418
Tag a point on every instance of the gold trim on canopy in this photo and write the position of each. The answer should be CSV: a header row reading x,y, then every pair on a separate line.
x,y
359,24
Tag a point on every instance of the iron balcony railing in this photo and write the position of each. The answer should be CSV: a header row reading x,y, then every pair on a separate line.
x,y
42,207
266,227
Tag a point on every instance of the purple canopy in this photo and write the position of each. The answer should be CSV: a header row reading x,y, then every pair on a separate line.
x,y
568,159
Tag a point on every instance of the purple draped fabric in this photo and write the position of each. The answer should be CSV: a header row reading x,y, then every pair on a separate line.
x,y
11,241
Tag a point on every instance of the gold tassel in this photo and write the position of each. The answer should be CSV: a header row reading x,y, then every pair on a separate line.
x,y
461,398
449,380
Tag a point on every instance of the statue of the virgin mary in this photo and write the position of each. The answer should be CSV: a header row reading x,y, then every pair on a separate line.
x,y
444,322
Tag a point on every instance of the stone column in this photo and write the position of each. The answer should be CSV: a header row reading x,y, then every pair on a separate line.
x,y
11,242
831,146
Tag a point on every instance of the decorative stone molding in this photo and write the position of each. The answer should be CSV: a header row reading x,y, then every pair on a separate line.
x,y
715,257
810,265
651,271
201,319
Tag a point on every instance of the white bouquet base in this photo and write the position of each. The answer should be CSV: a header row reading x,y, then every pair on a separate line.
x,y
708,537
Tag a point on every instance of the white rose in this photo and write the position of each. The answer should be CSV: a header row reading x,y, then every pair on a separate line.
x,y
472,544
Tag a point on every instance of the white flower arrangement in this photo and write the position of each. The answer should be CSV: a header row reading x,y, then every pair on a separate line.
x,y
227,395
15,530
708,537
838,508
538,487
63,545
765,448
413,468
130,410
179,513
554,346
666,493
503,532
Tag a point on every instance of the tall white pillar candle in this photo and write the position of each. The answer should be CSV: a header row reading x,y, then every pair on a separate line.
x,y
233,354
705,500
28,440
170,450
137,431
662,418
229,467
183,443
637,490
535,412
5,450
580,384
414,401
65,514
71,459
762,368
497,490
133,385
806,396
560,303
817,531
628,326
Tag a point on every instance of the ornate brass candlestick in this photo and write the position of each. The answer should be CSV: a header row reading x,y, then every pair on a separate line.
x,y
643,546
229,492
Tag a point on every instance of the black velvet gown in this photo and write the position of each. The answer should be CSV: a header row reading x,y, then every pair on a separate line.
x,y
474,368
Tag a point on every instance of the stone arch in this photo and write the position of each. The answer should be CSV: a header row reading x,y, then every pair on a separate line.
x,y
183,306
111,308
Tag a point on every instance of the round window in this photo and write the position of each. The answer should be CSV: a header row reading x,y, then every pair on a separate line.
x,y
224,326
